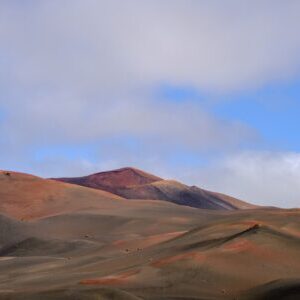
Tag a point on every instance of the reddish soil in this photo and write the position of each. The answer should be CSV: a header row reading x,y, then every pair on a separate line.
x,y
117,279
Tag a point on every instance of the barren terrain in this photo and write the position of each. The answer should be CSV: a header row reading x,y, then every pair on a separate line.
x,y
122,235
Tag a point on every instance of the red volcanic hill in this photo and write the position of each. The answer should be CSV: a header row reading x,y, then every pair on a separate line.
x,y
112,181
132,183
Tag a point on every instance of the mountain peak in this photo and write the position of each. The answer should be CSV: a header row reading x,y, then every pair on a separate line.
x,y
123,177
134,175
114,179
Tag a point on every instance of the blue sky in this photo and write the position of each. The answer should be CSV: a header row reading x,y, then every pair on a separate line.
x,y
272,110
205,92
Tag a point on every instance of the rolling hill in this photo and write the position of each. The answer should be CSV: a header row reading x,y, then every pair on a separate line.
x,y
130,240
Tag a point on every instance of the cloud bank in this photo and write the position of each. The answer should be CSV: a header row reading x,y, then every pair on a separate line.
x,y
264,178
86,72
119,45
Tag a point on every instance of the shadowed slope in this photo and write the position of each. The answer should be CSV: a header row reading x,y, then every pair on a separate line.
x,y
288,289
37,247
11,230
176,192
131,183
166,254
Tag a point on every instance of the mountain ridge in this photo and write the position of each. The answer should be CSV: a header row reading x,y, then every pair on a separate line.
x,y
132,183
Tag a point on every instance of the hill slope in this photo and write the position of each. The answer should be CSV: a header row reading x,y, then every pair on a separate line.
x,y
132,183
74,242
28,197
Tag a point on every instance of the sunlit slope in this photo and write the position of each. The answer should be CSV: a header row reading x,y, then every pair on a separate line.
x,y
26,196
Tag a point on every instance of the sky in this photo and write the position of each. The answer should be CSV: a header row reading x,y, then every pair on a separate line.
x,y
205,92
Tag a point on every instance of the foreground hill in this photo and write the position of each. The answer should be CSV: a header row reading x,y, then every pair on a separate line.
x,y
29,197
132,183
64,241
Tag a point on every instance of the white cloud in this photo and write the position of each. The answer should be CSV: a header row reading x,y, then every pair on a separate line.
x,y
84,70
68,120
209,44
76,72
264,178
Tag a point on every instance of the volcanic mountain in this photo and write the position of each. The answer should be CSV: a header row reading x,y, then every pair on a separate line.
x,y
66,241
131,183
